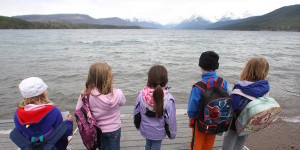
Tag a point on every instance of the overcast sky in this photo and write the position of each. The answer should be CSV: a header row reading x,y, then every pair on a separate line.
x,y
162,11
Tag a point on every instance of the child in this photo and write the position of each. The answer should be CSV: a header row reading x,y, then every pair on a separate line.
x,y
208,63
37,117
253,82
105,103
155,109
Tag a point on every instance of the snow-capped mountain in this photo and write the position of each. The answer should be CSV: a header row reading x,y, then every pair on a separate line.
x,y
195,22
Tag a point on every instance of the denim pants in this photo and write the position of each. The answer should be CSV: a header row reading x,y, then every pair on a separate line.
x,y
232,141
111,140
153,144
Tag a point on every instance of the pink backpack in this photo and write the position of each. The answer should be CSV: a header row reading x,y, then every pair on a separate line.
x,y
87,124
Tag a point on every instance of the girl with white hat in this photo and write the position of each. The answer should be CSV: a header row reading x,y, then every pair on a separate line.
x,y
37,117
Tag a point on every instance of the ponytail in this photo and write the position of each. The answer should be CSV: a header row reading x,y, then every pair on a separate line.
x,y
158,96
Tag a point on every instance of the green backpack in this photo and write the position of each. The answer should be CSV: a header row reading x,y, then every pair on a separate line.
x,y
258,114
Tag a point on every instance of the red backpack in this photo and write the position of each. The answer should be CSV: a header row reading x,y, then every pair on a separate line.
x,y
87,125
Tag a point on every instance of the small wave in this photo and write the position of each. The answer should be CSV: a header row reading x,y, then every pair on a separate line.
x,y
98,42
68,76
292,119
126,42
83,42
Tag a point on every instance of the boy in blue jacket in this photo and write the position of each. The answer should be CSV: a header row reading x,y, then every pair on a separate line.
x,y
208,63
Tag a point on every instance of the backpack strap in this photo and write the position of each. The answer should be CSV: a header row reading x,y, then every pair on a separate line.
x,y
239,92
201,85
58,133
204,86
220,82
19,139
85,99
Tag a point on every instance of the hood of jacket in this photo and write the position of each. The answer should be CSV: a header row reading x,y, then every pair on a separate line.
x,y
147,94
109,100
32,113
255,89
38,121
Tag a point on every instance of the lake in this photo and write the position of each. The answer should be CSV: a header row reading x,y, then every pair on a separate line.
x,y
62,59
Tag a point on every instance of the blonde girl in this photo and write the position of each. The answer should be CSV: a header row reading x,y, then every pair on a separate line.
x,y
37,116
105,102
253,82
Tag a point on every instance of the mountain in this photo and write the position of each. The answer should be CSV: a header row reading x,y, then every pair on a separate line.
x,y
285,18
70,18
75,19
195,22
114,21
85,19
15,23
226,22
228,16
146,24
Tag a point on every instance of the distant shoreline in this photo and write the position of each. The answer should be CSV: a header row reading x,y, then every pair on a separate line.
x,y
286,18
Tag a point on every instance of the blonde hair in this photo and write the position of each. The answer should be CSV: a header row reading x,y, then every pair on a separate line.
x,y
257,68
41,99
100,76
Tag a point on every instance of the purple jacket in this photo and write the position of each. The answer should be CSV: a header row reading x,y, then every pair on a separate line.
x,y
153,128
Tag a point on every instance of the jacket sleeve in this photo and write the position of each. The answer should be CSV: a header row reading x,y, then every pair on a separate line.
x,y
170,118
194,102
122,99
225,86
136,113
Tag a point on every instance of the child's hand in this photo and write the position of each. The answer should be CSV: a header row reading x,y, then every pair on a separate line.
x,y
192,122
69,117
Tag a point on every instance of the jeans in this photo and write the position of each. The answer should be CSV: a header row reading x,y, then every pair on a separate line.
x,y
111,140
232,141
153,144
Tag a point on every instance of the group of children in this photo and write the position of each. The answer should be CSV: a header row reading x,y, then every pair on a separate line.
x,y
154,113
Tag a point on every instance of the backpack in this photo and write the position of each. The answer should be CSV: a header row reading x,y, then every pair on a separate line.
x,y
89,130
49,144
258,114
215,107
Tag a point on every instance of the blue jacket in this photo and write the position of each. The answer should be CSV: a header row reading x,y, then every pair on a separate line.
x,y
41,122
153,128
255,89
195,95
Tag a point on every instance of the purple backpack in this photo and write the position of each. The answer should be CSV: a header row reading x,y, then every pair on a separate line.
x,y
87,125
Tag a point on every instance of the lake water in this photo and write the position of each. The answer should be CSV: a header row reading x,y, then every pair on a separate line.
x,y
62,59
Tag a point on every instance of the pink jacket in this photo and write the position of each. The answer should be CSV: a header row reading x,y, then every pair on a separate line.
x,y
106,109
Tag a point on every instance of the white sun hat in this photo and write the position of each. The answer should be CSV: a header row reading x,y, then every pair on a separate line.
x,y
32,87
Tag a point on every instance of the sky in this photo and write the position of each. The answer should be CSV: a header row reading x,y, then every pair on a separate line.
x,y
161,11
